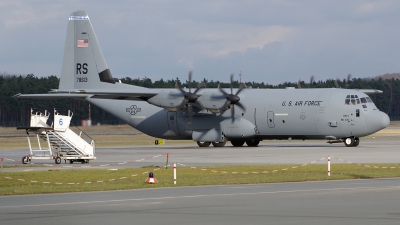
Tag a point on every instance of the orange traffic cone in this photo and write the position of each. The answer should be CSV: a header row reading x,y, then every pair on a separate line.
x,y
151,179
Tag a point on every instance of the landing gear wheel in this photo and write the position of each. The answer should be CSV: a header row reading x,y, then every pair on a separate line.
x,y
203,143
219,144
71,161
25,160
57,160
356,142
83,161
237,143
349,142
252,143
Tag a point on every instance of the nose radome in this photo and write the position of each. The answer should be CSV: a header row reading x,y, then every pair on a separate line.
x,y
385,120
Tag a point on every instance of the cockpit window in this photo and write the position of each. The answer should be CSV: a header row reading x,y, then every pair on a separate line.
x,y
354,100
363,100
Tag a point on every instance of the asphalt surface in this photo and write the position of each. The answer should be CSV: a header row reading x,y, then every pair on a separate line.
x,y
372,201
284,152
333,202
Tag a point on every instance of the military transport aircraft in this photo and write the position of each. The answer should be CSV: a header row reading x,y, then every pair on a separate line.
x,y
212,115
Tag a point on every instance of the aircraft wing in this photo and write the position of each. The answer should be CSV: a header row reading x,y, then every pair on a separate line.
x,y
50,96
128,94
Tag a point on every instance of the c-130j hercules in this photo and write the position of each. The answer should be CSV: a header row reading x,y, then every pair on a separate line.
x,y
212,115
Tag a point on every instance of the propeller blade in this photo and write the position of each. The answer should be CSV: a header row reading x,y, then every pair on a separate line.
x,y
231,80
190,112
240,90
233,113
189,81
348,79
199,86
242,85
225,106
220,89
336,83
311,81
198,105
298,84
240,105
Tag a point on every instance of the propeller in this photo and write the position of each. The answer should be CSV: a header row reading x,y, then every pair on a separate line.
x,y
232,99
190,99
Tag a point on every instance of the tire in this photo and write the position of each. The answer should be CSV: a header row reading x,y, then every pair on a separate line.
x,y
237,143
356,142
252,143
71,161
24,160
349,142
203,143
57,160
219,144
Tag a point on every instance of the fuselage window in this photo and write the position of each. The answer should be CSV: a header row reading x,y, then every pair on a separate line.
x,y
358,101
368,99
353,101
347,101
352,96
356,96
348,96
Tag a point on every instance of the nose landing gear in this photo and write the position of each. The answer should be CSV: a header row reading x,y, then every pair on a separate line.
x,y
351,141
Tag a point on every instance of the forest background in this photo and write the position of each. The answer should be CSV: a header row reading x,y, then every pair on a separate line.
x,y
15,112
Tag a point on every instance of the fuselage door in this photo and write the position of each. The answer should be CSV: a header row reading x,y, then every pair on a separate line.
x,y
172,123
270,118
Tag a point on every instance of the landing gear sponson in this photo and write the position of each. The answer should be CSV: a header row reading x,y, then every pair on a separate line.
x,y
235,143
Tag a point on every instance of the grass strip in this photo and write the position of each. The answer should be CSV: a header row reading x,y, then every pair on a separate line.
x,y
62,181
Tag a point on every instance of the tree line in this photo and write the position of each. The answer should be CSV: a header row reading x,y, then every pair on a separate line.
x,y
15,112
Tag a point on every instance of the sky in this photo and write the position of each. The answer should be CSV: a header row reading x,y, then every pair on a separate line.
x,y
270,41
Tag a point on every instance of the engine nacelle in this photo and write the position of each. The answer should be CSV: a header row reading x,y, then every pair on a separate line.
x,y
212,102
171,100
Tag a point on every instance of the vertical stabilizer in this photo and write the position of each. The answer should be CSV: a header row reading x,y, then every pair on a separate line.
x,y
83,64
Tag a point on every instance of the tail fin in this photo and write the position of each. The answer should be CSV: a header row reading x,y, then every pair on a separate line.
x,y
83,64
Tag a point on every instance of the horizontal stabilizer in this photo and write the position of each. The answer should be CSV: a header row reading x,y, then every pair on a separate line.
x,y
370,91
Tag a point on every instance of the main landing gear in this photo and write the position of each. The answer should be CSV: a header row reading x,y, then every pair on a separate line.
x,y
215,144
351,141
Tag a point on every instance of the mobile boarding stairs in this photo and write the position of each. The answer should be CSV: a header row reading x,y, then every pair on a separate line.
x,y
62,142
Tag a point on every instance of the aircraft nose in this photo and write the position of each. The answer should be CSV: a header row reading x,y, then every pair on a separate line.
x,y
380,121
385,120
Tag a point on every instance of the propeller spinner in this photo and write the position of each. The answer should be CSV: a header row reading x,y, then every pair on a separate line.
x,y
232,99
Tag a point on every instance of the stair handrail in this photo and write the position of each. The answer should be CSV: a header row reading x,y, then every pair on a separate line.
x,y
81,132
